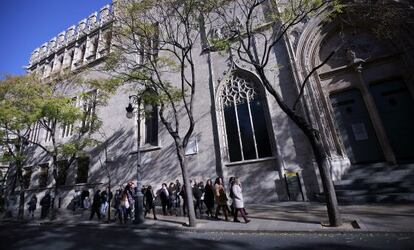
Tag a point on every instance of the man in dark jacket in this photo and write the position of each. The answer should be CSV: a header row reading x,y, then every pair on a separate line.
x,y
164,197
96,205
45,204
198,193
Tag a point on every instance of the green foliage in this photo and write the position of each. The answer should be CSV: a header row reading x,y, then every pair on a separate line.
x,y
60,109
207,6
26,100
76,147
20,99
220,44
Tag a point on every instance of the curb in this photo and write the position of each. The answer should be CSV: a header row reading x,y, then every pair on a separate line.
x,y
184,228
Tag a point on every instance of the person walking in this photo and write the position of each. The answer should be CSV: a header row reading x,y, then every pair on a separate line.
x,y
86,203
209,197
45,204
172,199
164,196
201,187
117,205
183,194
221,197
238,201
106,197
96,205
129,192
197,193
84,195
149,202
177,192
32,205
231,182
124,206
104,203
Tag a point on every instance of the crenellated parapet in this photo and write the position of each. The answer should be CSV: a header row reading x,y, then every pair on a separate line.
x,y
79,45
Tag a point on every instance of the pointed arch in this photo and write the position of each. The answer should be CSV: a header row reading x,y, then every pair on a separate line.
x,y
243,116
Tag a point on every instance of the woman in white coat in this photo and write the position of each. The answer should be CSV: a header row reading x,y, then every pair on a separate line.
x,y
238,201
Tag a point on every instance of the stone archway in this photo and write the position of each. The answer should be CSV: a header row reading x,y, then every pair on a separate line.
x,y
362,98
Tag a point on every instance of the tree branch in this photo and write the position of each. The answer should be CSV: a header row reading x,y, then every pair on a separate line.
x,y
302,88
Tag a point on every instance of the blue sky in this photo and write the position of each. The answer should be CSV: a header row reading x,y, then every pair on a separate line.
x,y
26,24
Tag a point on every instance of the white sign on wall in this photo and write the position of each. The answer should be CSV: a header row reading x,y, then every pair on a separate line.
x,y
359,131
192,147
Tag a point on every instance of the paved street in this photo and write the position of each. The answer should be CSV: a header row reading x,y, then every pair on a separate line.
x,y
289,225
66,237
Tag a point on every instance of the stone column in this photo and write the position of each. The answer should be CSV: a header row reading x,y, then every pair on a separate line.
x,y
375,118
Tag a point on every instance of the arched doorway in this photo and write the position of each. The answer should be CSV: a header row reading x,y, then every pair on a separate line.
x,y
365,92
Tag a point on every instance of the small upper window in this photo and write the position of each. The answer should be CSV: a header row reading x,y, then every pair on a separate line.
x,y
27,175
43,175
62,172
151,124
82,171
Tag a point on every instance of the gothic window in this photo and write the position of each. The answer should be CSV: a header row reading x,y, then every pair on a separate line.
x,y
95,46
48,68
80,54
52,126
89,100
71,55
108,38
151,125
27,175
82,171
62,172
34,132
43,175
244,118
67,129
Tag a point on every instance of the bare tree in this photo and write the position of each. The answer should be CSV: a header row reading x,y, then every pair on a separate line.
x,y
253,28
155,40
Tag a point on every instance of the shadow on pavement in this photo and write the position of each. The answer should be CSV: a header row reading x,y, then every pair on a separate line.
x,y
92,237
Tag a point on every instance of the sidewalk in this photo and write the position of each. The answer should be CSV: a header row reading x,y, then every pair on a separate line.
x,y
278,217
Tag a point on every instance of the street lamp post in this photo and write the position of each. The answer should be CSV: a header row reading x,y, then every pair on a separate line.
x,y
139,216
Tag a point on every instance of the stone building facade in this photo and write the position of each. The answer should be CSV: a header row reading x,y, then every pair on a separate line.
x,y
361,101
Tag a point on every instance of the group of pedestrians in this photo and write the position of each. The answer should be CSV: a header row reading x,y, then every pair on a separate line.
x,y
81,200
100,203
169,197
236,195
210,199
204,197
124,202
45,204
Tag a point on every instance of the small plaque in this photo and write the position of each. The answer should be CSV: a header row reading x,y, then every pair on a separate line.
x,y
360,132
192,147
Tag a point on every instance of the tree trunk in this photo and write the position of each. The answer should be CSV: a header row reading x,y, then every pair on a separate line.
x,y
318,152
20,179
328,187
188,191
21,203
55,188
